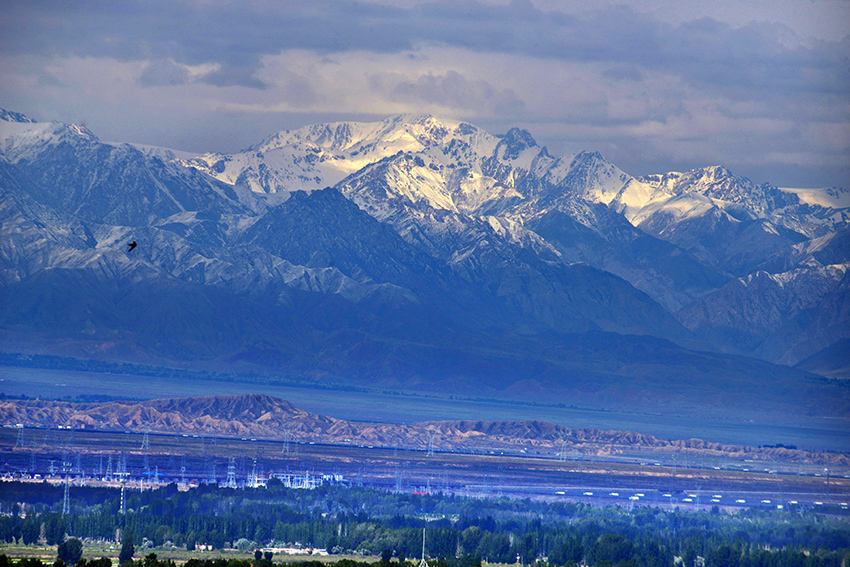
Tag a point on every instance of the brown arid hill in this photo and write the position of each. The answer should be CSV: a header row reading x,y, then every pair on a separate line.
x,y
267,417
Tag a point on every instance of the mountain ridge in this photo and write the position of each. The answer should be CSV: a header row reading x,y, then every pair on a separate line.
x,y
268,417
444,256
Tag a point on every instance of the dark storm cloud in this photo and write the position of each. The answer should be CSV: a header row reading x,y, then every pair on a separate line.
x,y
742,61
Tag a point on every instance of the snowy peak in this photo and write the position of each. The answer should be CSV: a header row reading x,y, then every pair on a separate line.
x,y
514,142
714,173
737,193
22,139
335,136
322,155
443,222
400,132
701,180
589,176
691,194
70,170
592,166
12,116
450,165
455,166
829,197
839,196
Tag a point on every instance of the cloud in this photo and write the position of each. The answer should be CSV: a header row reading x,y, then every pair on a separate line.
x,y
451,90
623,73
656,86
236,36
234,76
163,72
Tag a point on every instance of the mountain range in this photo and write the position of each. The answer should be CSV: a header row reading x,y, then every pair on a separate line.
x,y
266,417
427,254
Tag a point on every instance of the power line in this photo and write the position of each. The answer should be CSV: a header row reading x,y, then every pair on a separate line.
x,y
253,480
66,500
422,562
286,436
562,452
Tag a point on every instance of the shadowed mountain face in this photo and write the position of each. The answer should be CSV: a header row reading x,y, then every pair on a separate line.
x,y
416,253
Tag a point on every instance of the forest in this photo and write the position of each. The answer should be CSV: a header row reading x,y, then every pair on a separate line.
x,y
460,531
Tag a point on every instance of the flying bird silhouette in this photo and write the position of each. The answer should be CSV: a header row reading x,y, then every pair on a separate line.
x,y
131,246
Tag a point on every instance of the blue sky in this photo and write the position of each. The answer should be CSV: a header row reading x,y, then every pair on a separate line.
x,y
762,87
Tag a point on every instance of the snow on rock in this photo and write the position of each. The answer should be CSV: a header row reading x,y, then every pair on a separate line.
x,y
829,197
24,140
682,195
12,116
321,155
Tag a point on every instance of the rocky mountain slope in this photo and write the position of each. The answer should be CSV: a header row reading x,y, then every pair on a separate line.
x,y
436,181
422,253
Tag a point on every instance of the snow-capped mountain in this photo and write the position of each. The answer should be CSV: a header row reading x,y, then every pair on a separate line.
x,y
412,248
660,202
785,316
452,166
454,188
321,155
66,167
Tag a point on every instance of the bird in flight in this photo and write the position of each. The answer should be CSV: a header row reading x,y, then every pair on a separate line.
x,y
131,246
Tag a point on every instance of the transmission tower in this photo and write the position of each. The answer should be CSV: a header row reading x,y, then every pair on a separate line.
x,y
562,452
109,468
19,442
430,452
398,481
211,475
145,448
231,473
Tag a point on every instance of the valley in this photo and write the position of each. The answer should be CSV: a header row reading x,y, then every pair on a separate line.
x,y
690,482
373,405
440,283
46,426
